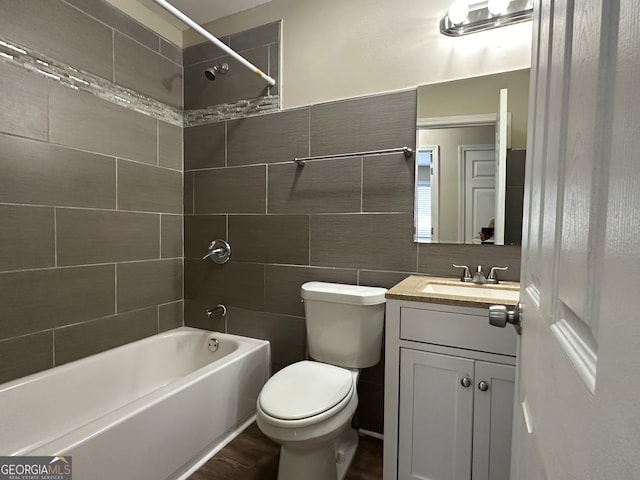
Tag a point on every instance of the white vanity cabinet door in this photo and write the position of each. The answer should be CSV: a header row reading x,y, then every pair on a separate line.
x,y
435,416
492,421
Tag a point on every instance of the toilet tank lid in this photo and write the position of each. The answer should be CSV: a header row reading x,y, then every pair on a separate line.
x,y
341,293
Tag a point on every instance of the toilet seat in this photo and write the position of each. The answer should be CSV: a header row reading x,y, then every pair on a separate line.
x,y
305,393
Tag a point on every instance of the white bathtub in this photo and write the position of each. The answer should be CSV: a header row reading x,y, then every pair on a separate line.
x,y
152,409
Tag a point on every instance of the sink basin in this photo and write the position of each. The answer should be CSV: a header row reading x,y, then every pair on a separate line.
x,y
474,291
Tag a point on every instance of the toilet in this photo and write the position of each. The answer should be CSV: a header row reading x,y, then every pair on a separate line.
x,y
307,407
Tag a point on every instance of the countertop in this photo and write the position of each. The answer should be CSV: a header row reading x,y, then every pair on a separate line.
x,y
411,289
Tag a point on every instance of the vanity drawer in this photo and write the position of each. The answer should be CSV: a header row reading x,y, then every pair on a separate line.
x,y
471,332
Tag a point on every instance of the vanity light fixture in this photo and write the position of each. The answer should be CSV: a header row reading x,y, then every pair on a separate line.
x,y
463,19
458,11
498,7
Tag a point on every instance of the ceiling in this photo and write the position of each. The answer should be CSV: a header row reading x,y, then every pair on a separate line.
x,y
202,11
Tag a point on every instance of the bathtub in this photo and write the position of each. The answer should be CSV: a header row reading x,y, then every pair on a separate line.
x,y
153,409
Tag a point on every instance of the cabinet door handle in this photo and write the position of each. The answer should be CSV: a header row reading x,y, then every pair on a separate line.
x,y
483,386
465,382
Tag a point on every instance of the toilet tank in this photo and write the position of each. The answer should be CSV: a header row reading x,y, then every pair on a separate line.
x,y
344,323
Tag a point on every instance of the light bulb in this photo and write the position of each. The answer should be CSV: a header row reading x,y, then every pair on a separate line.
x,y
498,7
458,11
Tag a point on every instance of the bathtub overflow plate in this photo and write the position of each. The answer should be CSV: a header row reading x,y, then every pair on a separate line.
x,y
213,344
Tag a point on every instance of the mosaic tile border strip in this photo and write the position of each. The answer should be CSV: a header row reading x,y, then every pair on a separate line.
x,y
230,111
71,77
87,82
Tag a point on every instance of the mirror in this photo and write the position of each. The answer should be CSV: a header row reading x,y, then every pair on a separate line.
x,y
470,158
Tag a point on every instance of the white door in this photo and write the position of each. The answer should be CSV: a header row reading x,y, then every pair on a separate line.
x,y
502,141
477,188
577,410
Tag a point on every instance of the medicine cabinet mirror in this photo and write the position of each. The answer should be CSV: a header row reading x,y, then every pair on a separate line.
x,y
470,157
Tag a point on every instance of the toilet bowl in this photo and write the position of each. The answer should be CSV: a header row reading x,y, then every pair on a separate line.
x,y
311,424
307,407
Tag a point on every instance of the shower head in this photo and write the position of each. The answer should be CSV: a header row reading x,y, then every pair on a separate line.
x,y
211,72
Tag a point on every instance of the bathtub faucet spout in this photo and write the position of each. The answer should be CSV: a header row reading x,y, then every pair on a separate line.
x,y
217,312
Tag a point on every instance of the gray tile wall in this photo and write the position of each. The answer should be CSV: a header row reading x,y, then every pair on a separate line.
x,y
93,36
516,160
91,193
347,220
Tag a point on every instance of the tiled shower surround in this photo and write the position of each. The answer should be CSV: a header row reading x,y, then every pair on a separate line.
x,y
92,209
90,191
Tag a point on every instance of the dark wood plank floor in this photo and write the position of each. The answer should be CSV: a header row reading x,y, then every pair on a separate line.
x,y
253,456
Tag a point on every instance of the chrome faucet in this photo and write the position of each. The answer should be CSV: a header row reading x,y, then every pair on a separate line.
x,y
492,277
478,276
217,312
466,274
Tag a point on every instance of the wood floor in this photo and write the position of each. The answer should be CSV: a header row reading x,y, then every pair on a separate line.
x,y
252,456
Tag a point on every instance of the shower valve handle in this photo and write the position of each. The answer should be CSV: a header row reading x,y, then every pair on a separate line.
x,y
219,251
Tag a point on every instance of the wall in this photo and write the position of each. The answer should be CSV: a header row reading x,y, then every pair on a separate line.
x,y
348,220
154,17
514,199
480,95
90,191
335,50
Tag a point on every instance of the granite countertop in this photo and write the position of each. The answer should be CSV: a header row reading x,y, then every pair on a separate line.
x,y
411,289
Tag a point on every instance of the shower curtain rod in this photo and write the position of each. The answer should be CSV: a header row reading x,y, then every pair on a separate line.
x,y
178,14
406,150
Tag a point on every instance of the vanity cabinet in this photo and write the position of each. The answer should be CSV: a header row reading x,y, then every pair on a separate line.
x,y
449,392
